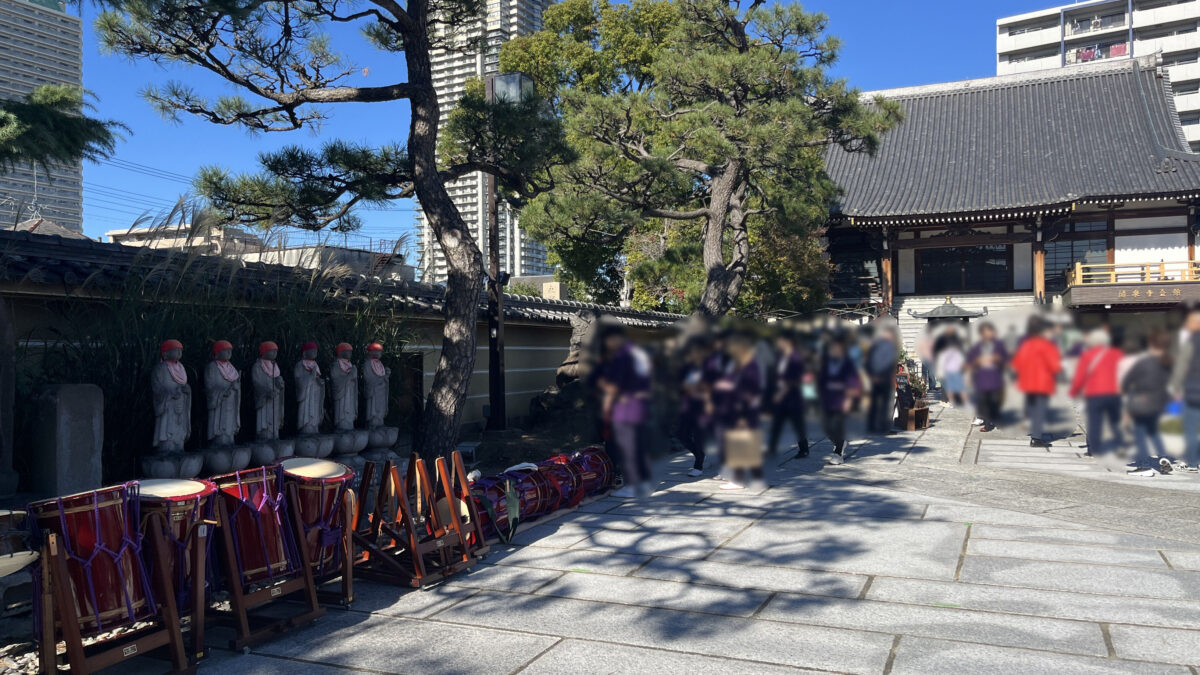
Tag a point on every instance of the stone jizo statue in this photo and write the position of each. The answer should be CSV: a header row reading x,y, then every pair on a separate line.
x,y
172,400
310,390
223,386
268,393
375,378
343,378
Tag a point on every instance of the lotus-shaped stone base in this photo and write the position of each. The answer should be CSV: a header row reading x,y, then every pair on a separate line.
x,y
173,465
284,448
262,454
351,442
226,460
383,437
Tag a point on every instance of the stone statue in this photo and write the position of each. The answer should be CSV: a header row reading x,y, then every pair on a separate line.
x,y
172,400
343,377
375,379
310,390
268,393
223,385
575,366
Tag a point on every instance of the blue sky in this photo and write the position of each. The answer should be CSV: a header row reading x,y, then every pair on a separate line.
x,y
885,44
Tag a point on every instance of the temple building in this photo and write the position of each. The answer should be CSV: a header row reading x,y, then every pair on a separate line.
x,y
1072,186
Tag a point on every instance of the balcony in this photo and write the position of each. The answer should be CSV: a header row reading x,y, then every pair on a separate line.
x,y
1131,284
1185,103
1093,25
1118,50
1167,45
1041,37
1029,65
1169,14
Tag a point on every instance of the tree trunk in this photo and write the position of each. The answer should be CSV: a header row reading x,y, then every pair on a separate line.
x,y
447,395
725,212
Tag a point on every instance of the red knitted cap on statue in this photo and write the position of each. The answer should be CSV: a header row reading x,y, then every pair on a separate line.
x,y
267,346
308,345
344,347
169,345
374,347
221,345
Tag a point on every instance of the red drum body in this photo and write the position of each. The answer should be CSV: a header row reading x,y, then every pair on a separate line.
x,y
595,468
183,504
535,494
99,538
490,491
262,538
566,480
320,486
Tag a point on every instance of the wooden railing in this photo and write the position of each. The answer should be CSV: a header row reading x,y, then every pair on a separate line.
x,y
1133,273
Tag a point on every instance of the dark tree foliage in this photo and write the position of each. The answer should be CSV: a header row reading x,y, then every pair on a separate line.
x,y
48,127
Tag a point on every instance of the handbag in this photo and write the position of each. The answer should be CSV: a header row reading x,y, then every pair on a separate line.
x,y
743,448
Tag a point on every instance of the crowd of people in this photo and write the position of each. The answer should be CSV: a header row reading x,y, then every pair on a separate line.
x,y
724,383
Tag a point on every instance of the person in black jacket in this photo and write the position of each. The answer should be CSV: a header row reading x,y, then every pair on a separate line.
x,y
789,394
1146,397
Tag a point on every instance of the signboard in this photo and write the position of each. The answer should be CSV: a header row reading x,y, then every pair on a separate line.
x,y
1132,294
904,393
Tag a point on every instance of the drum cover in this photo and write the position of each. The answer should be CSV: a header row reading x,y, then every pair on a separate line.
x,y
15,554
171,488
306,467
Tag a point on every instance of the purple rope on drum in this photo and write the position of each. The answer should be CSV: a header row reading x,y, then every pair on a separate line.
x,y
278,510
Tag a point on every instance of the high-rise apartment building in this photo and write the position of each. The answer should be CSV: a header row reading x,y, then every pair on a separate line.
x,y
40,43
1085,32
519,255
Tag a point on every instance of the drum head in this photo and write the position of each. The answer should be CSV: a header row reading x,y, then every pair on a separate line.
x,y
306,467
171,488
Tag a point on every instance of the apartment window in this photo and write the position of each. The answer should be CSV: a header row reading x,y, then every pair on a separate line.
x,y
1031,27
1196,146
1189,119
1187,88
1088,24
1181,59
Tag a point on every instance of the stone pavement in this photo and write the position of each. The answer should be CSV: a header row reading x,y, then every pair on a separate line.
x,y
908,559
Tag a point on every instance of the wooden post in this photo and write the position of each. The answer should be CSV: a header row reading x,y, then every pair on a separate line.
x,y
885,279
1039,271
1078,277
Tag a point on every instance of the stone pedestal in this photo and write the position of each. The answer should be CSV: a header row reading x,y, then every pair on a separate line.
x,y
227,460
68,438
315,445
173,465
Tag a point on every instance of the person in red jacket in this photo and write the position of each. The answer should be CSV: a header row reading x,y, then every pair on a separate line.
x,y
1037,364
1096,378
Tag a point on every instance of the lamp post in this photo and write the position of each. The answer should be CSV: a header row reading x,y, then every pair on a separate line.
x,y
505,88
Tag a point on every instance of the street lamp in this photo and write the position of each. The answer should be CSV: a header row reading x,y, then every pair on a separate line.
x,y
505,88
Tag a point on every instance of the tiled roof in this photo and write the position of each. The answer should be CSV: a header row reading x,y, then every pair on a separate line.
x,y
1021,144
54,264
42,226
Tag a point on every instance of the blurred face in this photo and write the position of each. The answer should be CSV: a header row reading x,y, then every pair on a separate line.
x,y
837,350
613,342
987,333
784,345
1193,322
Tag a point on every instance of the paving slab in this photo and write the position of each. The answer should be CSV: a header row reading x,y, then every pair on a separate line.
x,y
584,657
1103,579
388,600
829,509
923,656
685,545
752,576
657,593
709,508
503,578
554,534
1183,561
1098,537
923,549
787,644
707,525
1056,604
984,514
1066,553
1075,637
1161,644
370,642
606,521
568,560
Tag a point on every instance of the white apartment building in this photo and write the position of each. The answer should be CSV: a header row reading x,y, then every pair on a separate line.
x,y
1111,29
519,255
40,43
